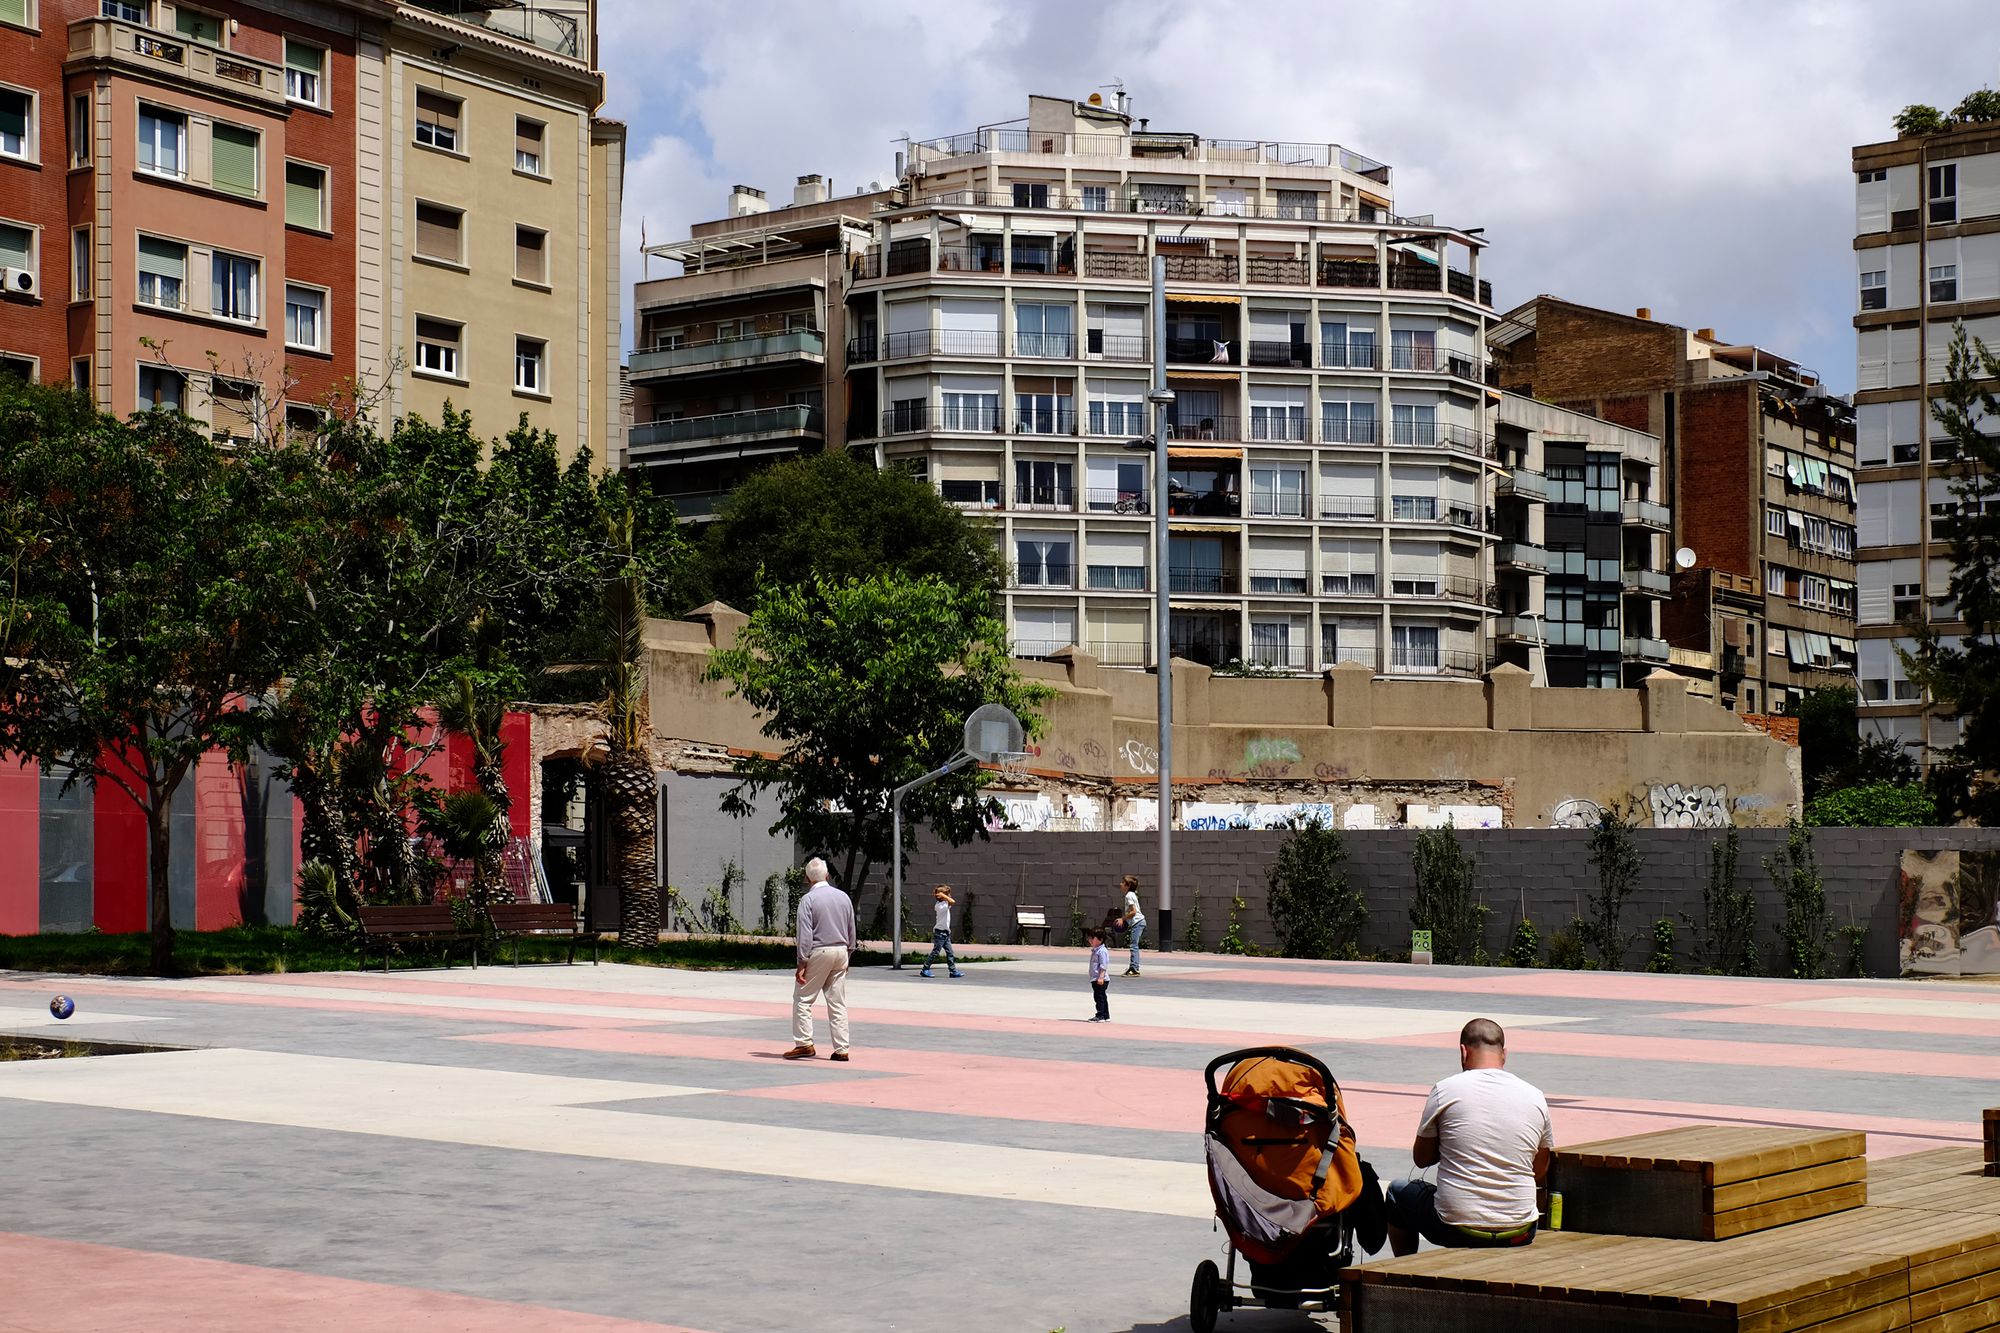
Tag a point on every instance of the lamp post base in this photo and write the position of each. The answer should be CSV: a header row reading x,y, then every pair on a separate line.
x,y
1165,943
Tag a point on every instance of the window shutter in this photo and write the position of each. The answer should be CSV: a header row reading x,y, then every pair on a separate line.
x,y
14,11
305,59
437,331
305,189
164,259
527,137
437,232
528,261
234,159
231,413
438,109
17,247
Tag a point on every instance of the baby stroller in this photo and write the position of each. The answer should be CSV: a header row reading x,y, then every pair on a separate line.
x,y
1289,1189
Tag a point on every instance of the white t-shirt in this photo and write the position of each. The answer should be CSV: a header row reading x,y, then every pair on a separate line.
x,y
1488,1125
943,915
1132,912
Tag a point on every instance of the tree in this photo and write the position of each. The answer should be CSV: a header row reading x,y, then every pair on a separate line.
x,y
829,516
1617,860
1832,752
1978,108
1874,805
1316,912
156,601
866,683
625,775
1962,678
1806,929
1726,933
1445,902
1917,119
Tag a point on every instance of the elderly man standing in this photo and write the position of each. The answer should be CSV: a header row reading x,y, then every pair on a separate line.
x,y
1488,1134
826,939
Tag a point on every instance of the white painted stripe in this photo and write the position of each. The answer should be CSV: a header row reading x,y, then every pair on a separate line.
x,y
546,1114
13,1020
1903,1005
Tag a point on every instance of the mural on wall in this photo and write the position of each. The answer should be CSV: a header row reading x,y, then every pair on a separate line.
x,y
1949,909
1253,814
1458,816
1675,806
1576,812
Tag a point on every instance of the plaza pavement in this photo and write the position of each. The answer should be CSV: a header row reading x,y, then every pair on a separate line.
x,y
615,1149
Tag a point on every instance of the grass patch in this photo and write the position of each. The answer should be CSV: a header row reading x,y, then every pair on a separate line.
x,y
55,1048
256,950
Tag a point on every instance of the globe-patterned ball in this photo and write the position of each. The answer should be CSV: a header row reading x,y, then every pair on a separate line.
x,y
62,1006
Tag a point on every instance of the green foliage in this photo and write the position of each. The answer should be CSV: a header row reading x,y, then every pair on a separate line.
x,y
1525,947
1445,902
831,517
1832,752
321,913
1917,119
1567,950
1617,860
767,901
1316,912
1805,929
1191,936
1977,108
1232,941
1877,805
1076,922
470,828
1854,936
866,685
1662,957
1725,935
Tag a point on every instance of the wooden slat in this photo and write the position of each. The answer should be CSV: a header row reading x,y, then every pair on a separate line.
x,y
1788,1184
1956,1296
1780,1212
1969,1319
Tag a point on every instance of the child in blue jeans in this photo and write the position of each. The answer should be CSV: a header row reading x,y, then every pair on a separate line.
x,y
1100,976
941,932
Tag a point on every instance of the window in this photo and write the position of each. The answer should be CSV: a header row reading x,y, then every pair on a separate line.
x,y
162,273
1413,349
79,374
1944,282
1117,418
1774,580
530,376
22,368
305,196
1414,647
1031,194
1043,330
962,411
304,66
197,26
305,317
1278,491
531,255
302,419
1096,198
1347,423
17,124
1278,421
528,146
1943,193
437,347
233,408
131,11
438,233
437,120
162,141
1871,177
1298,204
233,160
1774,521
1875,290
233,292
985,494
1905,600
1413,508
1044,483
79,264
161,388
1414,423
1271,643
1042,563
20,13
79,131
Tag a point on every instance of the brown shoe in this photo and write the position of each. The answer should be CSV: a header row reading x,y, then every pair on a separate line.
x,y
801,1053
840,1056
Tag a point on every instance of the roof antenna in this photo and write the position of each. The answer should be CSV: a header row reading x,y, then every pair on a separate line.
x,y
1119,101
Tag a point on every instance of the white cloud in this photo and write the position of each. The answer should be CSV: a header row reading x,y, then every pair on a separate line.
x,y
1691,157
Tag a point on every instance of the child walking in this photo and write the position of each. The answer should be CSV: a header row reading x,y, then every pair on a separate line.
x,y
1100,976
941,932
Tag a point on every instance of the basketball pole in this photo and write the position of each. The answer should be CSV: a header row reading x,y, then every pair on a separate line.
x,y
952,765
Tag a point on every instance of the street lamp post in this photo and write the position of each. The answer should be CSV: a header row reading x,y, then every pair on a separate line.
x,y
1160,398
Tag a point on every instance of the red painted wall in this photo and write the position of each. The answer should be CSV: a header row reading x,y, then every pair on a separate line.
x,y
219,844
514,768
118,898
20,848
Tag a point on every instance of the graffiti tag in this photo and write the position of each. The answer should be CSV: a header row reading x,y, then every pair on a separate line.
x,y
1140,756
1675,806
1270,750
1576,812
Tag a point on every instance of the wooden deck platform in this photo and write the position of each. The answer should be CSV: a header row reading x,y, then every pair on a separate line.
x,y
1709,1182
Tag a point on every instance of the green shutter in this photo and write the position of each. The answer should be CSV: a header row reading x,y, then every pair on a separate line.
x,y
14,11
17,246
204,28
302,58
165,259
234,159
303,189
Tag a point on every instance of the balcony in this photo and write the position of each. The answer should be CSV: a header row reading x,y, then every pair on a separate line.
x,y
1348,584
1201,351
1647,514
556,30
1460,439
1295,355
940,342
1121,652
1523,555
1449,588
1044,497
1205,649
1115,264
1106,500
1203,504
1652,582
1056,346
154,54
1214,582
1415,356
1351,355
1206,430
1201,268
693,434
697,504
1350,508
1061,577
770,349
1270,271
1518,629
1115,578
1098,344
1278,583
862,351
1436,662
916,417
1350,273
1415,276
1530,486
1646,650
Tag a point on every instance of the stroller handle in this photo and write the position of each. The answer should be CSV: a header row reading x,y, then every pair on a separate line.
x,y
1290,1053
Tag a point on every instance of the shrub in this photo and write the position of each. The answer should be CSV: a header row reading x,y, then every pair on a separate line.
x,y
1662,959
1316,913
1726,934
1445,903
767,901
1566,949
1076,920
1232,938
1978,108
1807,925
1525,946
1873,805
1191,937
1617,860
1855,936
1918,119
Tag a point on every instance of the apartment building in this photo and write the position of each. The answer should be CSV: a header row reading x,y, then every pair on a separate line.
x,y
214,208
1759,480
1927,257
1582,561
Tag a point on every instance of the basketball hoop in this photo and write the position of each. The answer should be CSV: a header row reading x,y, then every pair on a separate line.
x,y
1011,763
993,735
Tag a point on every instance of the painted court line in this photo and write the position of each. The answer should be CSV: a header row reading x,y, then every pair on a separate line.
x,y
63,1286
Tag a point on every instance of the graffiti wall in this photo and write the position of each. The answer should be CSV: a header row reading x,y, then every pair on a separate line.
x,y
1949,904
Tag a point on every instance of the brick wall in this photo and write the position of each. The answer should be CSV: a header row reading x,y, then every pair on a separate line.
x,y
1593,354
38,197
1544,873
1636,411
1716,476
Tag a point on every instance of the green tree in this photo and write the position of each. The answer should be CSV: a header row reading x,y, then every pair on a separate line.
x,y
1806,929
1725,934
829,516
1316,912
866,684
625,775
1617,859
1978,108
1917,119
1445,902
153,594
1874,805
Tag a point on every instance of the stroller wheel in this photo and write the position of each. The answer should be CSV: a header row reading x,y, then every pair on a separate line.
x,y
1205,1300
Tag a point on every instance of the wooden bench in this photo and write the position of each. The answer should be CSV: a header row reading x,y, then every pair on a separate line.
x,y
1708,1182
1992,1116
1027,918
384,926
547,919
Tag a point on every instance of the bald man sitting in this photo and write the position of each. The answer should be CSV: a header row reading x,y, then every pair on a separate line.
x,y
1488,1134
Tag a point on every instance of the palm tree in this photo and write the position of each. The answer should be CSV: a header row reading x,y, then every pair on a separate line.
x,y
625,776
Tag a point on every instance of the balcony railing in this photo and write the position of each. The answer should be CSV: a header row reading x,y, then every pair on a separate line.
x,y
1651,650
1208,504
862,351
1416,435
1647,514
759,349
1115,346
1279,583
910,418
1123,653
1201,580
1060,420
1276,272
1050,575
1277,505
1414,356
1523,555
1349,507
1277,657
1061,346
1442,587
765,422
1201,268
554,30
1206,428
134,44
1296,355
1207,651
1116,578
940,342
698,504
1044,497
1405,661
1349,585
1099,264
1202,351
1350,355
1350,432
1108,500
1656,581
1350,273
1416,276
1525,484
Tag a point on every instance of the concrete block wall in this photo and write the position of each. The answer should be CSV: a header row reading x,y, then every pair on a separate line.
x,y
1544,873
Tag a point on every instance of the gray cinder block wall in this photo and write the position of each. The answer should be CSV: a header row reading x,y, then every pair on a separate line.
x,y
1544,873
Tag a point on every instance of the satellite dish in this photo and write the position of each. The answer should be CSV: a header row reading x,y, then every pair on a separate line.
x,y
874,185
1684,558
994,735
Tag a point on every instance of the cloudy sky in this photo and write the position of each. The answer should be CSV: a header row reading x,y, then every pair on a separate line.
x,y
1687,156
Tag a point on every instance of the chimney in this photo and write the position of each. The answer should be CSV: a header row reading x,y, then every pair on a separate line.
x,y
1706,335
1645,312
745,200
810,190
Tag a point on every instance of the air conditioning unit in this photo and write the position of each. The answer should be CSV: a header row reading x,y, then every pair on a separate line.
x,y
19,281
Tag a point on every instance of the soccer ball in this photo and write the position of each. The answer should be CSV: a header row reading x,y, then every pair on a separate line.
x,y
62,1006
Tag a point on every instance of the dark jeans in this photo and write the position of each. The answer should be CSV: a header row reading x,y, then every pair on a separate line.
x,y
1101,992
941,940
1413,1207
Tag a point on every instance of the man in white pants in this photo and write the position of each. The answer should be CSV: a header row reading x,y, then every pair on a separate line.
x,y
826,939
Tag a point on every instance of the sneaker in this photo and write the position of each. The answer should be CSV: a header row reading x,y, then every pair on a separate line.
x,y
1131,971
801,1053
840,1056
926,972
1097,1019
955,974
